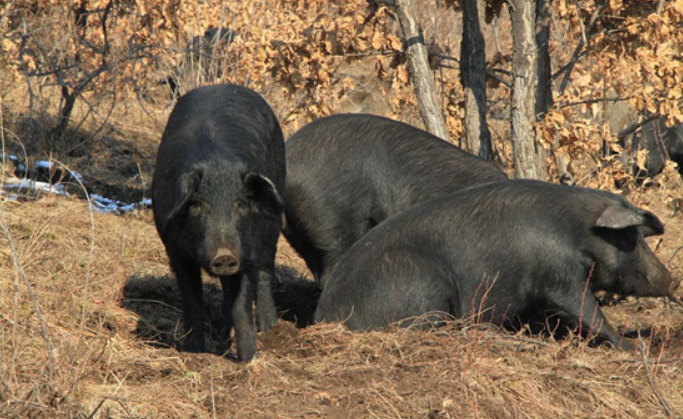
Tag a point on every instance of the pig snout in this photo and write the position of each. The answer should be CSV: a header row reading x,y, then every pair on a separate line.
x,y
663,284
224,263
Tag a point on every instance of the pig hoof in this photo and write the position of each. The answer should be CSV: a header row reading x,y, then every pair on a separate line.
x,y
194,348
247,354
266,317
267,323
626,346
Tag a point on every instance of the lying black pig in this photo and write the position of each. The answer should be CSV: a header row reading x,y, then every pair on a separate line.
x,y
217,206
346,173
496,253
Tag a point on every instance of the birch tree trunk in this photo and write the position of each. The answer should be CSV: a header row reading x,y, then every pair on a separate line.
x,y
473,78
527,154
420,72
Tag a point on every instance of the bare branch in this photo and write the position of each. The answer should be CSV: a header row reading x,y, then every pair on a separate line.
x,y
590,101
635,126
584,38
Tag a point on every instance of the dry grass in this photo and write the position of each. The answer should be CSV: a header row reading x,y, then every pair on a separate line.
x,y
90,317
111,316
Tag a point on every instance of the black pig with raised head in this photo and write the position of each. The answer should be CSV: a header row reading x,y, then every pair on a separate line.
x,y
216,197
346,173
498,253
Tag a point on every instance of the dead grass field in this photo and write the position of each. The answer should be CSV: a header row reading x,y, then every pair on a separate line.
x,y
90,321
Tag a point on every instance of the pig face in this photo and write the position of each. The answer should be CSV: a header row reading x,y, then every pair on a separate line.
x,y
623,261
217,212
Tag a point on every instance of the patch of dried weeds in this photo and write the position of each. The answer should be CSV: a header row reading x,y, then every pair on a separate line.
x,y
110,309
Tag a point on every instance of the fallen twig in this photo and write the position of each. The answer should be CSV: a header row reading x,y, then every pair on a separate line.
x,y
662,401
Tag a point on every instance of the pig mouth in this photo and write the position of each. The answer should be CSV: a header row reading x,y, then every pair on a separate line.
x,y
660,288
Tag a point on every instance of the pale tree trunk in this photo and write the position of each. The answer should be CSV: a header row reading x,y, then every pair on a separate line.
x,y
528,155
473,78
420,72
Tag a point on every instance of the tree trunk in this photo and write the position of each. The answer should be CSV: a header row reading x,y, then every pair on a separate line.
x,y
527,154
420,72
59,130
544,93
473,78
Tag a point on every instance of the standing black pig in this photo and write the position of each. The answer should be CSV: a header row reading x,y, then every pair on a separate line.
x,y
216,203
498,253
348,172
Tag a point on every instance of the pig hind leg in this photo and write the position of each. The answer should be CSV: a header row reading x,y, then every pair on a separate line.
x,y
408,287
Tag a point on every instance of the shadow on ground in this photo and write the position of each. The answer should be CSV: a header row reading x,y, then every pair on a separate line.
x,y
111,163
157,302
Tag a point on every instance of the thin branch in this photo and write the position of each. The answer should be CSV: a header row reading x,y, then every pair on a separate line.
x,y
566,67
636,125
106,48
489,71
213,400
674,254
99,405
662,401
443,57
579,47
148,300
590,101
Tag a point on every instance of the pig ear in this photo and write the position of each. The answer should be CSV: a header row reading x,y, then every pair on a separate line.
x,y
260,189
652,227
186,186
618,217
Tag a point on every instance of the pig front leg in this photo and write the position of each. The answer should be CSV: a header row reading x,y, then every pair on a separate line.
x,y
189,278
582,310
266,313
243,319
231,288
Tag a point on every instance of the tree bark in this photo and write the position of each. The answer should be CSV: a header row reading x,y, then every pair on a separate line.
x,y
544,93
420,72
527,154
473,78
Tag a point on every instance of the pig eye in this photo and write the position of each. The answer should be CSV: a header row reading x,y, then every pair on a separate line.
x,y
244,206
195,208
